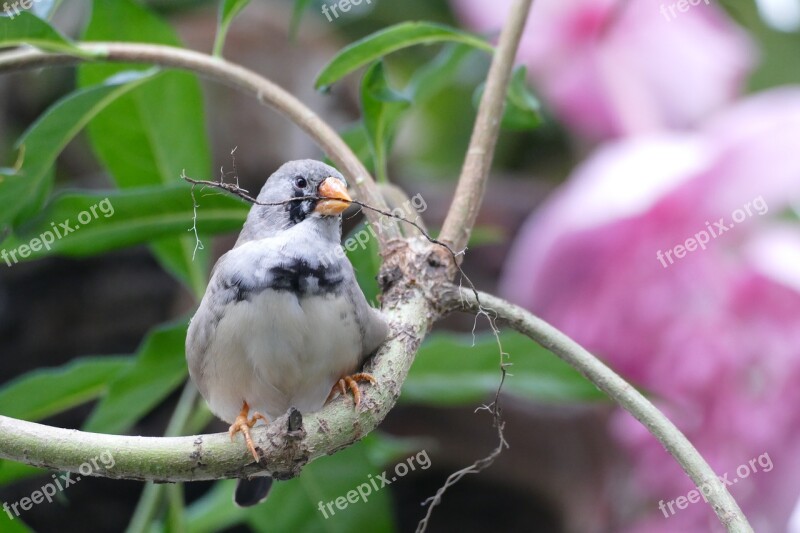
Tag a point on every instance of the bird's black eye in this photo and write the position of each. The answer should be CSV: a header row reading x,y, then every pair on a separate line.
x,y
300,182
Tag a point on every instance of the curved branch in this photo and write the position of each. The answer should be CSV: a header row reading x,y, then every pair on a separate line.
x,y
408,308
206,457
478,161
236,76
616,388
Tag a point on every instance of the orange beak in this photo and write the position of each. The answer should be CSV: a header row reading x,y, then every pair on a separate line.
x,y
335,197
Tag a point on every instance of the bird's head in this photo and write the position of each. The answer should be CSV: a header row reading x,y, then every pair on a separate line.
x,y
320,196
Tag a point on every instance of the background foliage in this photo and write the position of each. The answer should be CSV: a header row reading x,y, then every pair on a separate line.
x,y
146,126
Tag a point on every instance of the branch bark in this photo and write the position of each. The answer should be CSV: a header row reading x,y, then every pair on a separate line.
x,y
619,390
265,91
471,187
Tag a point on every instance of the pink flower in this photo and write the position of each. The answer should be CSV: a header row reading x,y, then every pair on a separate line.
x,y
610,68
712,330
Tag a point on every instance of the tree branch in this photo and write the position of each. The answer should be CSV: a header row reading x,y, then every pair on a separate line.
x,y
471,187
408,307
206,457
265,91
625,395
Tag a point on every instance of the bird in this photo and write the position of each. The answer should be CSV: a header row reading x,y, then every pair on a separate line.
x,y
283,323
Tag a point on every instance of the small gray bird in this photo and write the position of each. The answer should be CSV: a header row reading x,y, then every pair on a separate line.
x,y
283,322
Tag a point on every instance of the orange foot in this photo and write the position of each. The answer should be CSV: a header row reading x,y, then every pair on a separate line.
x,y
350,382
242,425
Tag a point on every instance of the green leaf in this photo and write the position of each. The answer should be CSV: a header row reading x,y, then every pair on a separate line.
x,y
525,108
119,219
228,10
47,391
482,235
293,505
382,107
215,511
357,139
362,250
153,134
522,109
23,192
384,42
300,7
485,235
27,28
185,259
438,73
11,472
7,525
383,449
449,370
159,368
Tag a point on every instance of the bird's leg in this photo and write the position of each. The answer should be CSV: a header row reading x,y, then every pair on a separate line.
x,y
351,382
338,388
242,425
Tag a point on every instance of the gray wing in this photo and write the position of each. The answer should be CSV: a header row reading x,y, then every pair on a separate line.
x,y
371,322
237,276
202,327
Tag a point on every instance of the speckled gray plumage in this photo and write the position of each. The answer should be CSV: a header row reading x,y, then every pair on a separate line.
x,y
283,317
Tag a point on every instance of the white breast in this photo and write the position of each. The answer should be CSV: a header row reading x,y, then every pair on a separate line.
x,y
276,352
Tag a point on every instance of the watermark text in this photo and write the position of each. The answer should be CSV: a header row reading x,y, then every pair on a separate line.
x,y
60,483
672,10
410,210
47,238
743,471
374,484
713,230
340,6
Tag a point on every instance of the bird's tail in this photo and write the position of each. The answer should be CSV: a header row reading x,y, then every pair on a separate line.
x,y
250,492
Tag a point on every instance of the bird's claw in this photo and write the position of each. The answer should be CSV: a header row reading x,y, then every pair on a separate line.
x,y
350,382
242,425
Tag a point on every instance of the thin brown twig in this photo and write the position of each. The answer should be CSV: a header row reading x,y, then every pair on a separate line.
x,y
245,195
236,190
497,421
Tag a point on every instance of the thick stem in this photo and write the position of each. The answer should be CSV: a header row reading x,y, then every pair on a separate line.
x,y
468,198
218,69
676,443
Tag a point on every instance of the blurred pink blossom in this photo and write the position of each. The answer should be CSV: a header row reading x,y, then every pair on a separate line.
x,y
715,336
610,68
